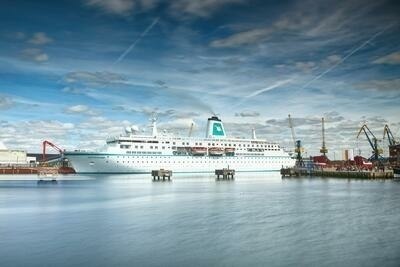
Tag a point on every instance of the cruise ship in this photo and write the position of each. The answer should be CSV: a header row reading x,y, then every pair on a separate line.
x,y
137,153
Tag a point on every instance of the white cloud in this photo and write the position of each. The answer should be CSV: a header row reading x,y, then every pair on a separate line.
x,y
81,109
306,67
34,54
19,35
5,102
247,114
202,8
117,7
14,134
178,8
90,78
242,38
305,19
391,59
381,85
41,57
40,38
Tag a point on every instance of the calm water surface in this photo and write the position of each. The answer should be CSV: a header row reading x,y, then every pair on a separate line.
x,y
255,220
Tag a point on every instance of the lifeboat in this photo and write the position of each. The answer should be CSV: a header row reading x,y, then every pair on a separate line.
x,y
199,151
229,151
216,151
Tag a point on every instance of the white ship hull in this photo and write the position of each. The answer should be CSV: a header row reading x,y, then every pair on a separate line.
x,y
120,163
143,153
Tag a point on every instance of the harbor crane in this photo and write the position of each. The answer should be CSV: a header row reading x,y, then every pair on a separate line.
x,y
297,143
373,142
386,131
323,149
48,143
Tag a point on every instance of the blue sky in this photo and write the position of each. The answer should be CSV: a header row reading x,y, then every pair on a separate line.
x,y
77,71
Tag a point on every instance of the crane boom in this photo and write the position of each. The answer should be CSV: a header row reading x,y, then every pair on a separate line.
x,y
373,142
366,131
386,131
297,143
292,129
45,143
323,149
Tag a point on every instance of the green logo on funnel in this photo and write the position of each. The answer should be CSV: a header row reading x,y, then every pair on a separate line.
x,y
217,129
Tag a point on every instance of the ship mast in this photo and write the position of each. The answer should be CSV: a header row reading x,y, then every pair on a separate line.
x,y
153,120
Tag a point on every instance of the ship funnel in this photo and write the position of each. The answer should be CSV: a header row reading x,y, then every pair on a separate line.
x,y
215,128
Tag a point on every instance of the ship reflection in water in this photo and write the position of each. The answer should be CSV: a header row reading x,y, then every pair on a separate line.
x,y
257,219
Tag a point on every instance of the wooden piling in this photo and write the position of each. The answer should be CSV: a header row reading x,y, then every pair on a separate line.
x,y
227,174
161,173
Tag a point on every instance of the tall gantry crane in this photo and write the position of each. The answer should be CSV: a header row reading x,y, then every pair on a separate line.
x,y
373,142
323,149
386,131
297,143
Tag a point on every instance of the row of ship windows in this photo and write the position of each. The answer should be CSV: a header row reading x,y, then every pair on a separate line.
x,y
163,147
216,158
137,147
197,143
199,162
144,152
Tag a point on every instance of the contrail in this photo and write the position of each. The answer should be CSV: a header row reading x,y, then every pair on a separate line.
x,y
143,34
277,84
255,93
346,57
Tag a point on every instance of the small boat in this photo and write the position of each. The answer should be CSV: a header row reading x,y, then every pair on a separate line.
x,y
216,151
199,151
396,172
230,151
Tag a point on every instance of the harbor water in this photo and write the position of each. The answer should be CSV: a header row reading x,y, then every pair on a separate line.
x,y
257,219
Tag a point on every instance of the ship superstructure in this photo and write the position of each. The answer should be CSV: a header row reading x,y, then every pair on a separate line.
x,y
134,153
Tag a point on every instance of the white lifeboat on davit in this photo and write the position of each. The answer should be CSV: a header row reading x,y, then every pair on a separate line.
x,y
199,151
216,151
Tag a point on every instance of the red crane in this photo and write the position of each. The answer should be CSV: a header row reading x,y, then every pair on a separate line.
x,y
45,143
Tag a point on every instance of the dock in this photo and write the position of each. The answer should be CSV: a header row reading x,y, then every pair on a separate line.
x,y
18,170
161,173
296,172
227,174
47,173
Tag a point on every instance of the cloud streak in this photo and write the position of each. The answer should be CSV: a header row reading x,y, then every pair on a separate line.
x,y
40,38
352,52
391,59
35,55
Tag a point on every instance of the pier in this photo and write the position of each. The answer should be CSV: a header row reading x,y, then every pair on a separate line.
x,y
226,174
18,170
296,172
165,174
50,173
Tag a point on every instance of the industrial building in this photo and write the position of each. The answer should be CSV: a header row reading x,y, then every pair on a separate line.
x,y
394,155
10,157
